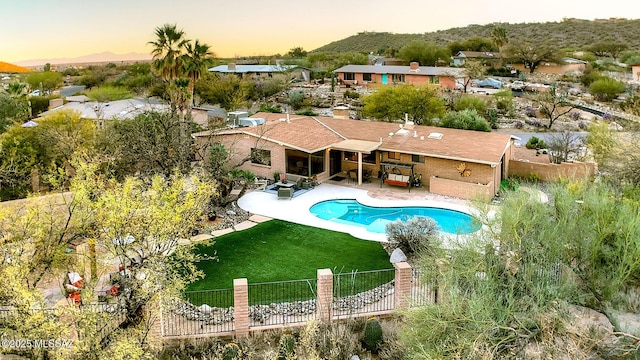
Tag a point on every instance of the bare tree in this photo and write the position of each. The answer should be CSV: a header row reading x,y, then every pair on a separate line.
x,y
552,104
566,146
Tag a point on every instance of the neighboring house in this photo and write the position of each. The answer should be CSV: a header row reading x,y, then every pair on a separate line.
x,y
264,71
113,110
461,163
635,72
383,60
493,59
394,74
567,65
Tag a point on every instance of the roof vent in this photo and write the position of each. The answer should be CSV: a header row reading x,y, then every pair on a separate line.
x,y
435,135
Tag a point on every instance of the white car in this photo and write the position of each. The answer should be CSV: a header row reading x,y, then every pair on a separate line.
x,y
517,85
35,93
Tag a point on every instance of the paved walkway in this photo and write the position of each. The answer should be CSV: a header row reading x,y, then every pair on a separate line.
x,y
297,209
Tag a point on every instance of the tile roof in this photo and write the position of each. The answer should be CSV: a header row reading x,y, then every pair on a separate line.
x,y
313,134
399,69
253,68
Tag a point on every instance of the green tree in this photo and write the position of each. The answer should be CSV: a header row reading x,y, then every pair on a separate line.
x,y
602,142
12,110
606,88
297,53
151,143
475,43
608,48
422,104
500,36
465,120
531,55
473,70
425,53
196,59
167,51
230,92
46,81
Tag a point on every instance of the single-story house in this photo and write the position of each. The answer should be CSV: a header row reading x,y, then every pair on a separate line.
x,y
263,71
567,65
486,57
396,74
635,72
112,110
462,163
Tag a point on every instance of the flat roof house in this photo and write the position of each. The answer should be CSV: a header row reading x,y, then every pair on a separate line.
x,y
262,71
461,163
398,74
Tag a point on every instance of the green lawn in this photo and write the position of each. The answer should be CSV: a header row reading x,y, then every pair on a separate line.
x,y
277,250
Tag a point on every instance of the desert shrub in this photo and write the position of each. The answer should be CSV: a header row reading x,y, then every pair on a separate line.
x,y
504,100
530,111
535,143
372,335
351,94
465,120
286,347
606,89
574,115
470,102
412,236
296,99
333,341
492,117
307,112
231,352
519,124
270,108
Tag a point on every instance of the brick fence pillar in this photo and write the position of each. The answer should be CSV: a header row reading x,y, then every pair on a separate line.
x,y
402,287
154,313
241,307
325,295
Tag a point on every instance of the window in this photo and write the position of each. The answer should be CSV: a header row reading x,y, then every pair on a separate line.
x,y
261,156
366,158
394,155
417,158
397,77
366,77
349,76
434,80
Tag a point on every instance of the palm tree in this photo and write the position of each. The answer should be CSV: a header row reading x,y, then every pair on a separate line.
x,y
167,51
196,60
499,36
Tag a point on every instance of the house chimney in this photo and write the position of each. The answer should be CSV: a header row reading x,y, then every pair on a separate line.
x,y
231,66
413,66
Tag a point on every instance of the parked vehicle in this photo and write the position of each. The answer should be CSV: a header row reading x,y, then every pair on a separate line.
x,y
488,82
518,85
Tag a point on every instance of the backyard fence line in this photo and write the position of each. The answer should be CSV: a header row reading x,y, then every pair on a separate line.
x,y
282,302
363,292
199,313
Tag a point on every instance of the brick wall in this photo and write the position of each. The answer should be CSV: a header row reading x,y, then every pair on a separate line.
x,y
552,172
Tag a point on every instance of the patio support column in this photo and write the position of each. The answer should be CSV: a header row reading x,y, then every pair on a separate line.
x,y
325,295
241,307
402,286
359,168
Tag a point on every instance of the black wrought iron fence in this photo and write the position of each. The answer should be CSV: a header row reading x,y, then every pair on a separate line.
x,y
199,312
423,291
283,302
363,292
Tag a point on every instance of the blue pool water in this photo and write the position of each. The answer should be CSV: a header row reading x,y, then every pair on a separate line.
x,y
375,219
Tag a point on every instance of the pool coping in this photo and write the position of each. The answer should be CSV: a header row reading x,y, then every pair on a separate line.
x,y
297,209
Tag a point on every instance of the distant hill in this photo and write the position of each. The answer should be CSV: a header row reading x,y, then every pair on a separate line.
x,y
567,34
93,58
11,68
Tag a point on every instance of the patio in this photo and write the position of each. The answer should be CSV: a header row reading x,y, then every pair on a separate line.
x,y
296,210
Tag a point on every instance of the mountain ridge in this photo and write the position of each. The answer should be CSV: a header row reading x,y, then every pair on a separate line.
x,y
568,33
105,56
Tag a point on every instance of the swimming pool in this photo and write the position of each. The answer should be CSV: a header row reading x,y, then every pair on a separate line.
x,y
375,219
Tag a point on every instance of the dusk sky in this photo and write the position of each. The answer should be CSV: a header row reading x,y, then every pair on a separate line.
x,y
47,29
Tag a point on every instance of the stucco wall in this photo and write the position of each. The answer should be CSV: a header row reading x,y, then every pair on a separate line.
x,y
460,189
552,172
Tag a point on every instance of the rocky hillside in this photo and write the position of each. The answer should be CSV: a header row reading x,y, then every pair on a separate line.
x,y
567,34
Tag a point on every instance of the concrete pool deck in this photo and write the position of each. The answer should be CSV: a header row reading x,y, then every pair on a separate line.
x,y
297,209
